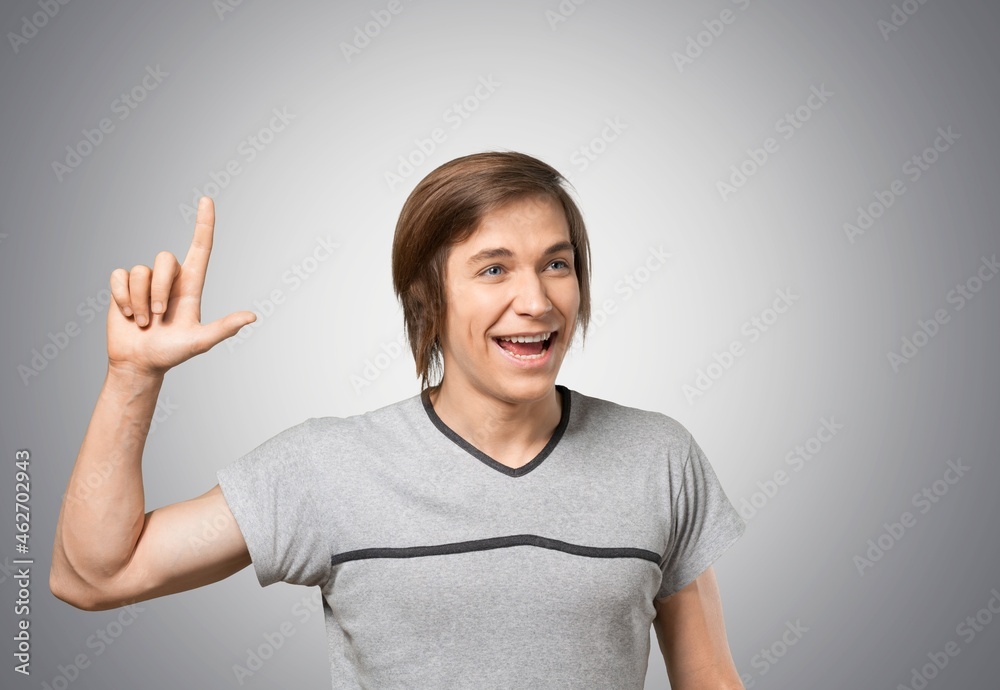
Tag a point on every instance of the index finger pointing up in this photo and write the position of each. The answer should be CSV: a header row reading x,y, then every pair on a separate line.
x,y
196,260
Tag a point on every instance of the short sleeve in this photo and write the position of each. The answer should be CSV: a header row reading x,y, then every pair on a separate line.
x,y
704,524
270,494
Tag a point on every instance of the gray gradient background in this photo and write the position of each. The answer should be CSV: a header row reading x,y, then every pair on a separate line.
x,y
655,185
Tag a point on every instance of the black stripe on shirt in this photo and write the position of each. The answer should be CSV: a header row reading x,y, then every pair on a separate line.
x,y
496,543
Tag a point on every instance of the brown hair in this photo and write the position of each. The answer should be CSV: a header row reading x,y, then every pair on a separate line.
x,y
443,210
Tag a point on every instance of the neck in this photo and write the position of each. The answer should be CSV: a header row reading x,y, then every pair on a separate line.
x,y
512,433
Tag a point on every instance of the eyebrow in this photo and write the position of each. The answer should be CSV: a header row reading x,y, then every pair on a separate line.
x,y
503,252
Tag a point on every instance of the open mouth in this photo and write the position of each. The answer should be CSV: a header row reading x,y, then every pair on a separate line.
x,y
526,347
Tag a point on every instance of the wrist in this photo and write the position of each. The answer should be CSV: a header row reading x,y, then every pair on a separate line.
x,y
130,377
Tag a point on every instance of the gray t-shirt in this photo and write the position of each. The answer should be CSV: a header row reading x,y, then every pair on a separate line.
x,y
440,567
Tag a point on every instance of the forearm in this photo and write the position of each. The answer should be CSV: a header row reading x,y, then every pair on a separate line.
x,y
103,510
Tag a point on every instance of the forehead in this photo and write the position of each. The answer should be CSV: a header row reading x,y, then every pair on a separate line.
x,y
525,222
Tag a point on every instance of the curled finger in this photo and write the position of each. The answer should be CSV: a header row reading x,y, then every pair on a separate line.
x,y
165,270
119,290
138,287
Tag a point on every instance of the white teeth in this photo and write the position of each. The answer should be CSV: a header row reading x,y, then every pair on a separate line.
x,y
528,338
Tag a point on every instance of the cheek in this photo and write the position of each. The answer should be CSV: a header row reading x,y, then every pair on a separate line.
x,y
470,315
568,299
482,306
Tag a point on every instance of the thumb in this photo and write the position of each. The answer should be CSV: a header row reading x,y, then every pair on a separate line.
x,y
211,334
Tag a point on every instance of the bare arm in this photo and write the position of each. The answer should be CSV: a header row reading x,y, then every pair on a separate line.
x,y
692,635
108,551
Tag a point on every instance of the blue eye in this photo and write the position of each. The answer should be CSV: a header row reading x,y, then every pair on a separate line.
x,y
492,268
560,261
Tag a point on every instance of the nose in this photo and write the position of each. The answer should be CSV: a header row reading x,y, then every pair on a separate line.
x,y
530,298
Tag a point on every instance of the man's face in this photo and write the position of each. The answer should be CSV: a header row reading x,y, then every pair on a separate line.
x,y
514,277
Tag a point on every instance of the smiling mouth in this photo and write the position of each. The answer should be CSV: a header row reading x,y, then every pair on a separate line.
x,y
526,347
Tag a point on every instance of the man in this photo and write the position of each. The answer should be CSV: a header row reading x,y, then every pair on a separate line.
x,y
495,530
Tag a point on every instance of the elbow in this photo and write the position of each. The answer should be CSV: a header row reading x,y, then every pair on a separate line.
x,y
71,595
74,592
63,593
74,587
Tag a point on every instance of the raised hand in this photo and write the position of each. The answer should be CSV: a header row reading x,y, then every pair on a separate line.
x,y
154,320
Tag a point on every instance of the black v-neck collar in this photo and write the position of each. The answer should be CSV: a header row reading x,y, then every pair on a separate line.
x,y
486,459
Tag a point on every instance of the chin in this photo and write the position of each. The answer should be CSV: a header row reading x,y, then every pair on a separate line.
x,y
526,390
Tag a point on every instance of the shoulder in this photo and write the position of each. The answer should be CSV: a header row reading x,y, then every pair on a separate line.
x,y
386,414
628,425
314,434
389,421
